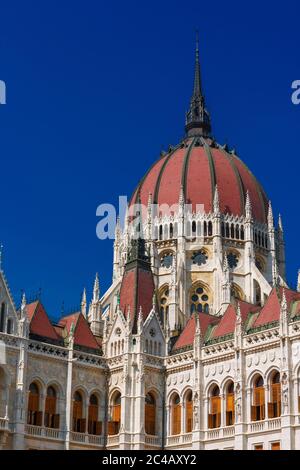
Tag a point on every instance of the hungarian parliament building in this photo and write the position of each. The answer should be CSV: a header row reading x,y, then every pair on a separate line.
x,y
196,343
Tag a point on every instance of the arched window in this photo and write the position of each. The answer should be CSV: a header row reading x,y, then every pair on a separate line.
x,y
160,232
205,229
9,327
171,231
230,404
94,426
189,412
214,417
79,423
258,407
2,316
242,233
257,292
236,292
237,232
274,406
210,229
51,418
34,415
150,414
115,414
199,299
223,229
194,228
232,231
227,231
175,415
164,304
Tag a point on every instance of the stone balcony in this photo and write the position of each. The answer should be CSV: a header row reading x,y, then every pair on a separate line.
x,y
59,435
179,440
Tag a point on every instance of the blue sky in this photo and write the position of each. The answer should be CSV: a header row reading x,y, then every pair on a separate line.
x,y
96,89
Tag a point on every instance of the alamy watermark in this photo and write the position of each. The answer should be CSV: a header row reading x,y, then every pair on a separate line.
x,y
296,93
2,92
136,217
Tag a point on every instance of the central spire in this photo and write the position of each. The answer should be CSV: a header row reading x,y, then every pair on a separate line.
x,y
197,118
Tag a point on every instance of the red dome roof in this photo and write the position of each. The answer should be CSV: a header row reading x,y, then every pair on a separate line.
x,y
199,164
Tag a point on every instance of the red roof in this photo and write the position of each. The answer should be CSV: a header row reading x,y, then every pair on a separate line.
x,y
271,310
198,169
188,334
136,291
227,322
39,322
82,333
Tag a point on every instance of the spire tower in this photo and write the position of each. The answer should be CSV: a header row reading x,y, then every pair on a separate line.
x,y
197,118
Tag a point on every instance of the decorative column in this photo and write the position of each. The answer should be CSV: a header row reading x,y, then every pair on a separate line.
x,y
271,233
281,249
240,404
69,396
198,435
249,250
287,432
20,403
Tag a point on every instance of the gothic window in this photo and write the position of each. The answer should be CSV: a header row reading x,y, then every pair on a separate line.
x,y
175,415
9,327
214,416
150,414
189,412
2,316
79,423
164,304
257,292
274,406
199,257
94,426
232,259
210,229
230,404
258,407
34,415
115,415
166,260
51,418
259,264
171,231
199,300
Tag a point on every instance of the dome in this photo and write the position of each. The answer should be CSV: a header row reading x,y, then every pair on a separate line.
x,y
197,165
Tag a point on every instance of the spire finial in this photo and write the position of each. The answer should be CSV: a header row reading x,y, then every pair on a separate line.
x,y
96,290
216,201
197,117
248,206
83,303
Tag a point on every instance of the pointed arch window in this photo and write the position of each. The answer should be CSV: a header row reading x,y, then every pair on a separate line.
x,y
2,316
199,300
274,406
164,304
230,404
51,418
34,415
150,414
175,415
189,412
115,415
258,407
94,425
79,423
214,417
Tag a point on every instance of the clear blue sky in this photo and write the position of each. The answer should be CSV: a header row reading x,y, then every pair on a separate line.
x,y
95,90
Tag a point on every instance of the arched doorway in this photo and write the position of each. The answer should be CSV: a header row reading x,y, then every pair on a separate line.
x,y
51,418
94,425
230,404
150,414
274,407
258,407
175,415
189,412
115,414
79,423
214,417
34,415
